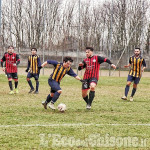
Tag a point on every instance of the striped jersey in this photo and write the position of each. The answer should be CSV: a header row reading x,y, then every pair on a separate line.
x,y
92,66
59,71
136,65
33,63
11,60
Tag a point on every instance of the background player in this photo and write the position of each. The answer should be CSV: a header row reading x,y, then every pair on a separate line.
x,y
11,60
135,72
60,70
32,69
91,75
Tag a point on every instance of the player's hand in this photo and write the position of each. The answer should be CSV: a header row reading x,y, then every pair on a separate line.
x,y
126,66
26,70
113,66
14,64
40,67
81,64
3,69
82,80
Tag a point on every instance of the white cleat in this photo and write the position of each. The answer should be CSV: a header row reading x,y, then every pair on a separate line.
x,y
88,106
124,98
131,99
51,105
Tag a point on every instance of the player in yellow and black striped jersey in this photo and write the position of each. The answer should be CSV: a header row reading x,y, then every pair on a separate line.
x,y
137,64
32,69
60,70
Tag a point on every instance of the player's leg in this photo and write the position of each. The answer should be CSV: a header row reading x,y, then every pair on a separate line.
x,y
29,76
93,83
15,78
36,77
85,88
48,99
136,82
55,86
129,80
9,76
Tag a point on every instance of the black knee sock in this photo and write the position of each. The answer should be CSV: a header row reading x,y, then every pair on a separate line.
x,y
126,90
133,92
91,97
10,85
30,84
86,99
55,97
49,98
37,85
16,84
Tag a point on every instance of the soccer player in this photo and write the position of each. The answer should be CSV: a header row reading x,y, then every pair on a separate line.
x,y
60,70
32,69
91,75
11,60
135,62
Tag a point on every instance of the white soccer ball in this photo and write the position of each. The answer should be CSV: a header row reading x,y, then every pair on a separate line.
x,y
62,107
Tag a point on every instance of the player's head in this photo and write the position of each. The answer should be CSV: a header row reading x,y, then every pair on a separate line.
x,y
67,61
137,51
10,49
33,51
89,51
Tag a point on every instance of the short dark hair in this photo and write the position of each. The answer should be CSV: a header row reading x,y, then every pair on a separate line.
x,y
91,48
10,46
137,48
68,58
34,49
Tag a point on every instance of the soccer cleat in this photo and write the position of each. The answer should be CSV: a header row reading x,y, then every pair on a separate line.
x,y
131,99
36,92
51,105
44,104
124,98
88,106
31,90
16,91
11,92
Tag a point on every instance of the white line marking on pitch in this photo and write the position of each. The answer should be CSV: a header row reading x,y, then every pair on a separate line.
x,y
69,125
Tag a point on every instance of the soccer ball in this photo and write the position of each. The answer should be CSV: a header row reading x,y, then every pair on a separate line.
x,y
62,107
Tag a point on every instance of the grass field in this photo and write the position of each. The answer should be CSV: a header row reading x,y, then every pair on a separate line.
x,y
110,124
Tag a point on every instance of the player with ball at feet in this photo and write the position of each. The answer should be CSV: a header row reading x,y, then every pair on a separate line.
x,y
60,70
91,75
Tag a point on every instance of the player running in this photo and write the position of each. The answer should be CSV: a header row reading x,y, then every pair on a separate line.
x,y
135,62
11,60
32,69
60,70
91,75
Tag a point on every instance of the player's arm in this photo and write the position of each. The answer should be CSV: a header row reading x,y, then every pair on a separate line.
x,y
82,65
102,59
73,74
144,65
17,59
53,62
126,66
28,65
2,61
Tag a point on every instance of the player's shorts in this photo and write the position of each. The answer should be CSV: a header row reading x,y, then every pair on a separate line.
x,y
86,84
135,79
12,76
35,75
55,86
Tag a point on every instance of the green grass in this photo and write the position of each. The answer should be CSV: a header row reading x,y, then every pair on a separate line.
x,y
107,109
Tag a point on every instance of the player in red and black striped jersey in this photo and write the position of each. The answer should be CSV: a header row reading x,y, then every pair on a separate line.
x,y
91,75
11,60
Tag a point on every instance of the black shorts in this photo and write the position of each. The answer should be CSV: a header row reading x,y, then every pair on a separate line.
x,y
55,86
35,75
86,84
12,76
